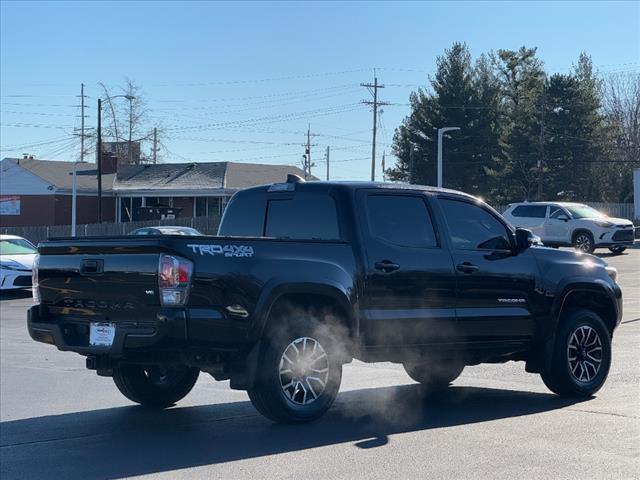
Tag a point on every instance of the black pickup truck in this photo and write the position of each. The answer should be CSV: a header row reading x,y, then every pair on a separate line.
x,y
305,276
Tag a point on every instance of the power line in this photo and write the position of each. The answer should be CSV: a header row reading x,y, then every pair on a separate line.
x,y
274,118
263,80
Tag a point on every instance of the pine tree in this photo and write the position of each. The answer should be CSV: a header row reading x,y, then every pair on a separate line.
x,y
522,82
462,95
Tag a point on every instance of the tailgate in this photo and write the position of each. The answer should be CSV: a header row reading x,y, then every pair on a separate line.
x,y
106,279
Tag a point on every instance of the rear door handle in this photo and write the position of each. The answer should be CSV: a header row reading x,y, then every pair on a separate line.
x,y
386,266
466,267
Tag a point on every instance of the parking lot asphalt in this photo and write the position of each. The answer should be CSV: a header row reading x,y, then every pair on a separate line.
x,y
59,420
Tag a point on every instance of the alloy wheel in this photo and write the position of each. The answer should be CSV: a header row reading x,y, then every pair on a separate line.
x,y
304,371
583,242
584,353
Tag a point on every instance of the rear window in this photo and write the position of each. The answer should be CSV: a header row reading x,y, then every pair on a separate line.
x,y
530,211
243,217
306,216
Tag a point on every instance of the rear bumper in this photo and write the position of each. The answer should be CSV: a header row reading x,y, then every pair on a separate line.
x,y
168,329
171,329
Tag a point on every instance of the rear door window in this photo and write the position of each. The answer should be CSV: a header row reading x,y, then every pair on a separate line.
x,y
306,216
530,211
402,220
243,217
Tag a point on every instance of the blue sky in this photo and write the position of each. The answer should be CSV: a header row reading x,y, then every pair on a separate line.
x,y
241,81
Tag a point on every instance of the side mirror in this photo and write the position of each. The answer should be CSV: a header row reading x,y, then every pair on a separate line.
x,y
564,218
524,239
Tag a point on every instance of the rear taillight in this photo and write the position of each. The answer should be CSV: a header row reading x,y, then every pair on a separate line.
x,y
174,279
35,288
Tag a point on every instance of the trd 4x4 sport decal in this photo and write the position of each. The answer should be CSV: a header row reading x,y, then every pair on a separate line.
x,y
225,250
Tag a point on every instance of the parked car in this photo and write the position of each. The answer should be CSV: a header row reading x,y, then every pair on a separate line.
x,y
166,230
572,224
304,277
16,262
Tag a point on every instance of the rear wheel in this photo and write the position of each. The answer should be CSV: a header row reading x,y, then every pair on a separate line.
x,y
581,356
617,250
435,376
154,385
299,374
583,241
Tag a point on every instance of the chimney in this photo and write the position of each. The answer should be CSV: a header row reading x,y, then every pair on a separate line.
x,y
109,163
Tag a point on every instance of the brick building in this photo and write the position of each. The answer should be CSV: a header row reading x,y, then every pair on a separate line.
x,y
39,192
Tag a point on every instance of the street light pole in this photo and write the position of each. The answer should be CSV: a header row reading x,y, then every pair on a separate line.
x,y
441,131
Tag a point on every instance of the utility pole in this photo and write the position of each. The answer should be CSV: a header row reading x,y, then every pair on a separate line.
x,y
384,175
541,158
74,190
99,159
155,145
373,88
327,155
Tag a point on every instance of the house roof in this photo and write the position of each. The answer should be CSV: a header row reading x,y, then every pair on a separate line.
x,y
175,179
201,178
59,174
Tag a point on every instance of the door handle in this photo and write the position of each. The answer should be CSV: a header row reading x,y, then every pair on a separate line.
x,y
466,267
386,266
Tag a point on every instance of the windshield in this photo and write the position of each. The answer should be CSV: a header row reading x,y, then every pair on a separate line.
x,y
16,246
584,211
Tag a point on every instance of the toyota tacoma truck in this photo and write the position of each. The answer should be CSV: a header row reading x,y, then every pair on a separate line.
x,y
303,277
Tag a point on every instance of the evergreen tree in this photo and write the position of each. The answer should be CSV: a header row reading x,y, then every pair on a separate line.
x,y
522,82
462,95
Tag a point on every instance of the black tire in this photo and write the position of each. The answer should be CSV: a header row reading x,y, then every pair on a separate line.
x,y
435,375
617,250
155,386
297,403
583,241
560,378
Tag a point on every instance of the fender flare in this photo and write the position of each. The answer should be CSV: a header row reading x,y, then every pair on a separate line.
x,y
275,290
568,287
245,374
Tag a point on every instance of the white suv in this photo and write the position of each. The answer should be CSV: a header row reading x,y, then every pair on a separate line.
x,y
572,224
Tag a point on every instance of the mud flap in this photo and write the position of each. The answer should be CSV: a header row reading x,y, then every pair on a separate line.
x,y
242,374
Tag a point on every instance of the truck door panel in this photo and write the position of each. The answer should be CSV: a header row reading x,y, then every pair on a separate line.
x,y
409,291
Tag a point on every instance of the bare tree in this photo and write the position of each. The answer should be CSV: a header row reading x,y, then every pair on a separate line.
x,y
621,107
128,123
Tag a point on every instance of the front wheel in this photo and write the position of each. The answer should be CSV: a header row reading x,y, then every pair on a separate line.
x,y
617,250
299,374
581,356
583,241
156,386
434,375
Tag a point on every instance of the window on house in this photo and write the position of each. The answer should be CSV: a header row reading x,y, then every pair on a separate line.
x,y
201,206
